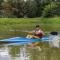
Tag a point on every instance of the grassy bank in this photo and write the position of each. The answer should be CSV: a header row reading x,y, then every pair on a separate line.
x,y
47,24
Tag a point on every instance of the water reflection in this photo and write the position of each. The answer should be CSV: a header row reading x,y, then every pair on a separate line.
x,y
4,54
21,52
14,53
24,52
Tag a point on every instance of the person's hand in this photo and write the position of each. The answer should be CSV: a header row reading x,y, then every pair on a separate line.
x,y
35,37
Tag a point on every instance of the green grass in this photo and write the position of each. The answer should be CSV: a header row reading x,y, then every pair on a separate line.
x,y
46,24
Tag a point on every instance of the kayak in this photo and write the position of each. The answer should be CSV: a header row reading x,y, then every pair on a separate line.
x,y
21,39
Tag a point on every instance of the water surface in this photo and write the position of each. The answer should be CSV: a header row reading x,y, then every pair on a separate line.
x,y
24,52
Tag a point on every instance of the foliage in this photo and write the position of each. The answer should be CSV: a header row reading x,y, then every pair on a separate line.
x,y
7,24
29,8
49,10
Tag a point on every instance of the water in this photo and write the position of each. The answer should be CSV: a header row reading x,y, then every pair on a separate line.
x,y
15,51
24,52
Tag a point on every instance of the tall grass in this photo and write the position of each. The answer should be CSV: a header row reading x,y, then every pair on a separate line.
x,y
47,24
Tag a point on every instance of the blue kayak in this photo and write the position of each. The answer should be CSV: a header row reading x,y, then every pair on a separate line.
x,y
20,39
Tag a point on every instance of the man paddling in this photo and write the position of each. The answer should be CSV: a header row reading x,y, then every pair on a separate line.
x,y
38,33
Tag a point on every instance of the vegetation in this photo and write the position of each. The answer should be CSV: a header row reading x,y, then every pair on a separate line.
x,y
15,26
29,8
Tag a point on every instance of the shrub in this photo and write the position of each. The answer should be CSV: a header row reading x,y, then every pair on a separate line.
x,y
49,10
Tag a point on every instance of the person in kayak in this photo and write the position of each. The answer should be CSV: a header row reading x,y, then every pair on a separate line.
x,y
38,32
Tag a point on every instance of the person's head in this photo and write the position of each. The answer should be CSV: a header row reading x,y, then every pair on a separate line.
x,y
37,27
54,33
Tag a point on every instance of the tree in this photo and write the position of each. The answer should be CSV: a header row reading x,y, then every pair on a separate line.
x,y
30,8
6,9
0,6
49,10
18,8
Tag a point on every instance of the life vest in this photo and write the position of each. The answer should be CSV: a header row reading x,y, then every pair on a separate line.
x,y
39,33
